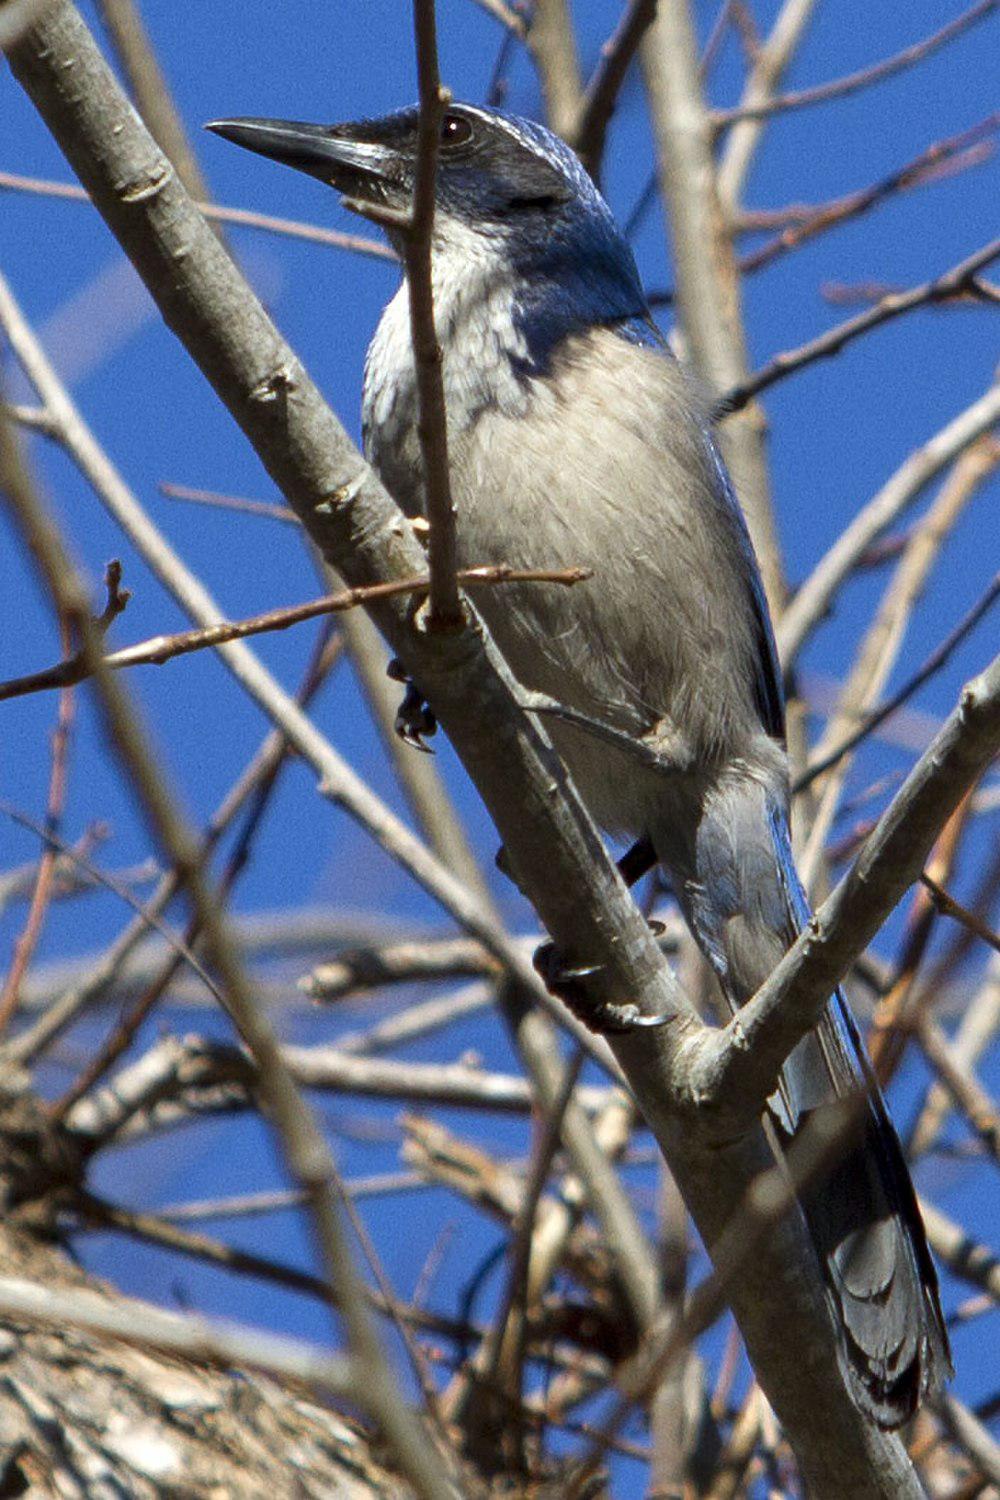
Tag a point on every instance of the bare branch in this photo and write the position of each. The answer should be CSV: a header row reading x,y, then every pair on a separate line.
x,y
602,91
164,648
944,288
552,44
974,1263
248,218
196,1338
976,1029
768,66
743,1064
444,610
883,638
813,599
400,963
966,1091
937,659
506,15
272,511
707,280
837,88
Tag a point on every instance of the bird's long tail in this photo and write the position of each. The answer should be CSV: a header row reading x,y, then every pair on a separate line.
x,y
746,905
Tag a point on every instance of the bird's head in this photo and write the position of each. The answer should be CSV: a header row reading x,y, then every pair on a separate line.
x,y
506,180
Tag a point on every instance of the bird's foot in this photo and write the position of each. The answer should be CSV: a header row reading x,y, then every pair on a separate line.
x,y
415,719
568,983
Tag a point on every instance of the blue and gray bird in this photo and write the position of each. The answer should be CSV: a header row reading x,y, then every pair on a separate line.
x,y
576,440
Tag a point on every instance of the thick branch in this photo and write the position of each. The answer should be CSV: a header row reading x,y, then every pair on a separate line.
x,y
741,1065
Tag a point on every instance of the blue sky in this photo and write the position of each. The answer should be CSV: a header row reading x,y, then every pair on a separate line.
x,y
836,433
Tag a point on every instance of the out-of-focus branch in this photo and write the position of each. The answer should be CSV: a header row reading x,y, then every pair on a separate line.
x,y
400,963
769,67
604,87
883,639
708,292
44,888
552,43
174,1068
196,1338
950,285
150,90
976,1029
306,1154
974,1263
876,717
506,15
966,1091
949,907
814,598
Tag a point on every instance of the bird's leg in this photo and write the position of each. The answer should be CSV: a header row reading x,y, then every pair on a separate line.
x,y
415,719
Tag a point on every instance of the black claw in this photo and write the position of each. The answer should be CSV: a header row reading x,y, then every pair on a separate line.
x,y
559,976
566,982
415,719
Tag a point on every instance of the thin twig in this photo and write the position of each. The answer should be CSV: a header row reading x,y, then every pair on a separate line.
x,y
44,890
147,913
444,610
837,88
937,659
251,1205
164,648
966,1091
768,64
947,905
194,496
247,218
946,287
814,598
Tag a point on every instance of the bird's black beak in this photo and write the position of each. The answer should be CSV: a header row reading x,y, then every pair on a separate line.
x,y
328,152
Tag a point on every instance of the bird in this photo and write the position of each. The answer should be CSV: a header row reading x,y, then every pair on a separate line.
x,y
575,438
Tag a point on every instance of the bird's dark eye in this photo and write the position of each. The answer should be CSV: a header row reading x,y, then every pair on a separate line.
x,y
455,130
